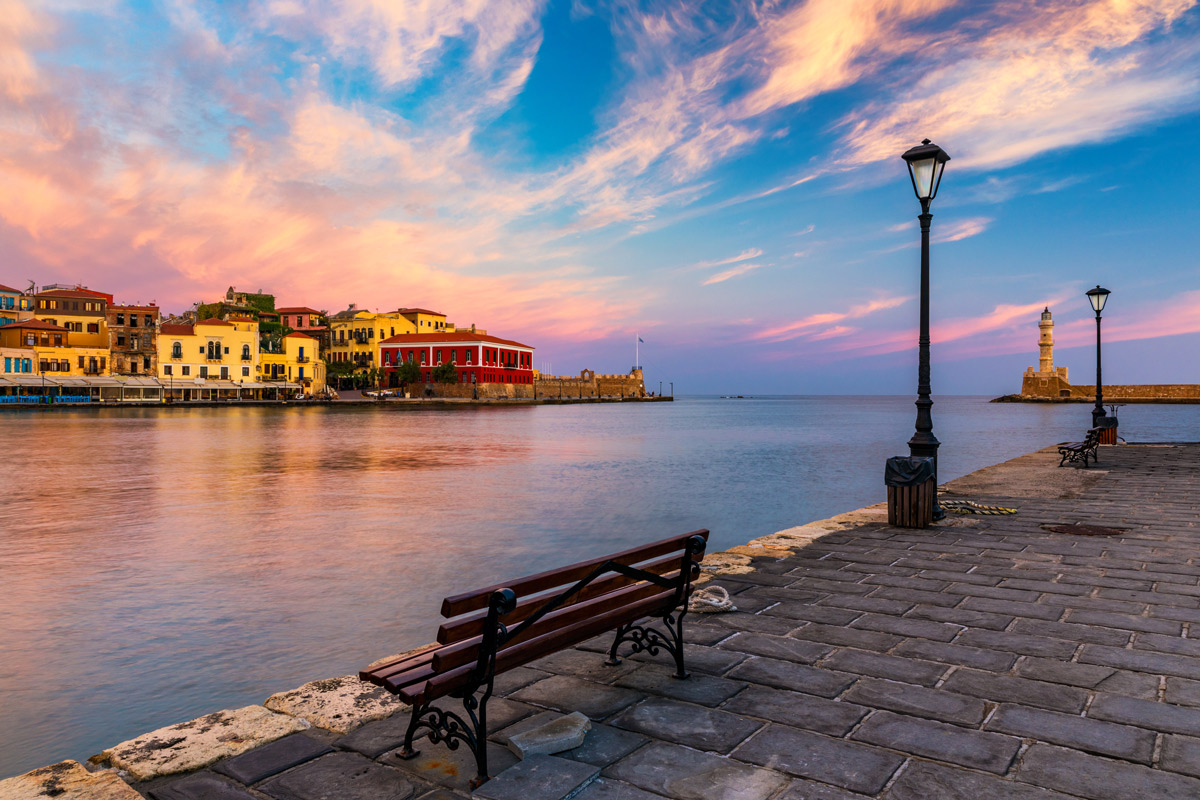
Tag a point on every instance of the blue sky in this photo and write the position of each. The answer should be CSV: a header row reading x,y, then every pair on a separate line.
x,y
723,179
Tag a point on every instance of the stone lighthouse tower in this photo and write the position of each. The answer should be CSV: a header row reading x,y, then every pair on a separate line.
x,y
1046,343
1047,380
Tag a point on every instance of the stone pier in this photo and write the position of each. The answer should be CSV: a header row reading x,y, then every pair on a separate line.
x,y
1044,655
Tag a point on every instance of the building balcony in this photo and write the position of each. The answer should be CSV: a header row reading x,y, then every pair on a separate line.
x,y
214,358
247,358
302,359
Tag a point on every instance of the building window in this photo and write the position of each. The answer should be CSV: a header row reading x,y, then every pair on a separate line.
x,y
439,356
224,373
120,319
167,369
149,320
245,372
246,352
187,370
120,340
133,320
146,363
93,327
81,362
226,351
8,364
177,350
203,371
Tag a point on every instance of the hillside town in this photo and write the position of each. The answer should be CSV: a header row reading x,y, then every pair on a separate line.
x,y
68,343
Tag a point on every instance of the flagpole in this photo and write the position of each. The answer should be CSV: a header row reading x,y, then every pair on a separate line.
x,y
637,353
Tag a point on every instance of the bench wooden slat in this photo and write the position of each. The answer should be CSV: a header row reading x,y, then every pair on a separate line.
x,y
472,626
403,662
533,649
467,652
475,600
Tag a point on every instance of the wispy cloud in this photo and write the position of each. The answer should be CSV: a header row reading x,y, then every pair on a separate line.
x,y
806,327
745,255
1040,76
733,272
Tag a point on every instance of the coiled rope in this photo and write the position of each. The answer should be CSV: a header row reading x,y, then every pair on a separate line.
x,y
969,507
710,600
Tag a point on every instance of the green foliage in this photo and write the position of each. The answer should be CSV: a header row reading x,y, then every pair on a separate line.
x,y
207,311
445,373
408,372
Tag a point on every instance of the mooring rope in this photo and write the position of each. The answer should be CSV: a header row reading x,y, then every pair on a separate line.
x,y
969,507
710,600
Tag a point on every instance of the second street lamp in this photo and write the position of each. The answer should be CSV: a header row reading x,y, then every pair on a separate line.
x,y
926,162
1098,297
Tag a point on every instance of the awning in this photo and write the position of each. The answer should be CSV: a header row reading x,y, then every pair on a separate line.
x,y
75,383
222,385
280,385
137,380
103,382
249,385
32,380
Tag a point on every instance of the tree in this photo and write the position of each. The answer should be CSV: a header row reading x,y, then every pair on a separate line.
x,y
445,372
408,372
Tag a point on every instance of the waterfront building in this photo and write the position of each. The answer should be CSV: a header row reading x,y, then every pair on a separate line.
x,y
307,321
298,362
212,355
479,358
16,360
133,339
355,337
15,305
81,311
52,350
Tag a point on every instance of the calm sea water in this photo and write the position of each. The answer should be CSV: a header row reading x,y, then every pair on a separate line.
x,y
160,564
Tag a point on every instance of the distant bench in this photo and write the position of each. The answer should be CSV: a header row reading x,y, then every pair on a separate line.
x,y
495,629
1074,452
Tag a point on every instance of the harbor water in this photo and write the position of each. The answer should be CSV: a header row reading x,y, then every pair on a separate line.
x,y
159,564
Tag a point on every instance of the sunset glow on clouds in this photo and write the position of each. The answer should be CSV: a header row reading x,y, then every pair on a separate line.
x,y
568,174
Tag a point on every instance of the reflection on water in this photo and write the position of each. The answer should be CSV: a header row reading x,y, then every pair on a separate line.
x,y
158,564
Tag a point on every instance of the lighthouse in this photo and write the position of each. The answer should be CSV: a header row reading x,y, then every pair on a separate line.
x,y
1046,343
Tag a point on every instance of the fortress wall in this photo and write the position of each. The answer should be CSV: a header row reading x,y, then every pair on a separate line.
x,y
493,391
589,384
1055,388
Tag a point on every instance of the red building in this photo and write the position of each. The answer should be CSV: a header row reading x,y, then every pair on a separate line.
x,y
478,357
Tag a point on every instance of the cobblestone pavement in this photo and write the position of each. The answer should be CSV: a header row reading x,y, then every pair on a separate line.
x,y
989,658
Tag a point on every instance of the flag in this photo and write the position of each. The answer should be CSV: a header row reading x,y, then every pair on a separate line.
x,y
640,339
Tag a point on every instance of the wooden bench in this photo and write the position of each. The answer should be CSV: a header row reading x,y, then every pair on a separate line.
x,y
1073,452
489,631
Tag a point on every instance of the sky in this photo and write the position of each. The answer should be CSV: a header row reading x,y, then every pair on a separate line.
x,y
722,180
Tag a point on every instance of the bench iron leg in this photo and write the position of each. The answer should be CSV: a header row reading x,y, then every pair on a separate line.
x,y
650,640
446,726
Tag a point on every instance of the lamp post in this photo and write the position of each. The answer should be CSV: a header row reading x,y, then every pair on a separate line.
x,y
926,163
1098,297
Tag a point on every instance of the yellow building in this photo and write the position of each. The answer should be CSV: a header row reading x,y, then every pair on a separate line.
x,y
82,312
52,349
299,363
355,335
213,354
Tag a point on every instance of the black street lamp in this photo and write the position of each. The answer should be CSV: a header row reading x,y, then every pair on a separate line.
x,y
1098,297
926,163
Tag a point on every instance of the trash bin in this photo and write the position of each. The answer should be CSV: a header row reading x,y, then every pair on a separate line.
x,y
911,491
1108,430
